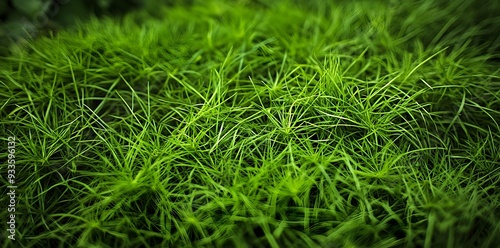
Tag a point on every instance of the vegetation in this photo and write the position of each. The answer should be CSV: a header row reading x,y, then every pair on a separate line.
x,y
253,124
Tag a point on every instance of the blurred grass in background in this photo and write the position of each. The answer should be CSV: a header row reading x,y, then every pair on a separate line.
x,y
27,18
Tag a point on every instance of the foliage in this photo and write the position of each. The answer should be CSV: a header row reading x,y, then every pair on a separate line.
x,y
26,19
258,124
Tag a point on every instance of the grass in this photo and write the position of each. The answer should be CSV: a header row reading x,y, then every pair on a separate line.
x,y
251,124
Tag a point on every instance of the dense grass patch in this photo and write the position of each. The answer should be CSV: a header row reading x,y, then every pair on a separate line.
x,y
249,124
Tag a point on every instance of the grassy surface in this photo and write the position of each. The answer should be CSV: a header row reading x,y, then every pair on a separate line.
x,y
366,124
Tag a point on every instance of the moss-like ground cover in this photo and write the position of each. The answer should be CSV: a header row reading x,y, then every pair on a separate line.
x,y
252,124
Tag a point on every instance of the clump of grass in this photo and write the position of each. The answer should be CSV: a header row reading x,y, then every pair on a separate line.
x,y
272,125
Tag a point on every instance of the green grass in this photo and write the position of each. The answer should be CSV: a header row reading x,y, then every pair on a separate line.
x,y
249,124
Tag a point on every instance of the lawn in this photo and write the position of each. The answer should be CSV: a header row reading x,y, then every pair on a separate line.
x,y
247,123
